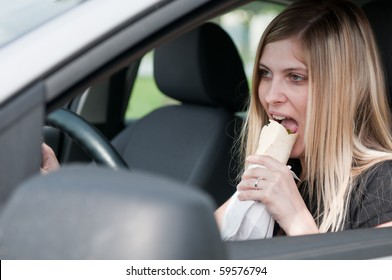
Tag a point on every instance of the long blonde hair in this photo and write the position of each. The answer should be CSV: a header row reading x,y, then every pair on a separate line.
x,y
348,122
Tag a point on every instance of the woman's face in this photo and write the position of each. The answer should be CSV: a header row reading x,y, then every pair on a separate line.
x,y
283,88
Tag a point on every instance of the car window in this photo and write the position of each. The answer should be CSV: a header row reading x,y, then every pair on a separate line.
x,y
20,16
145,95
245,26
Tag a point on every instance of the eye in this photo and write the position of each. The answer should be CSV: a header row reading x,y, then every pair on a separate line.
x,y
298,78
265,74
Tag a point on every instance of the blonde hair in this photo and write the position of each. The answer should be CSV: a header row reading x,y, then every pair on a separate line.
x,y
348,122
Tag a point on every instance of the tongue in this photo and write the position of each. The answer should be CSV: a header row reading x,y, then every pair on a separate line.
x,y
290,125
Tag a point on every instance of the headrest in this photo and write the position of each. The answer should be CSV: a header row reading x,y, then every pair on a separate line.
x,y
379,15
202,67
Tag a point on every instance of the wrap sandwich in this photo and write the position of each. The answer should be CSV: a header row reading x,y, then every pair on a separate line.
x,y
276,141
244,220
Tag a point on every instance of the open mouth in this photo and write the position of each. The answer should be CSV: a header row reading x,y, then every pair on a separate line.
x,y
290,124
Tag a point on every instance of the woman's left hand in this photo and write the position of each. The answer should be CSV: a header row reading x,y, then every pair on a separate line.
x,y
277,190
49,160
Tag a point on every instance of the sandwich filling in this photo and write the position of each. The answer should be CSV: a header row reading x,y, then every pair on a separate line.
x,y
290,124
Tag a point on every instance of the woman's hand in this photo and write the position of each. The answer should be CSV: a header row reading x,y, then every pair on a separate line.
x,y
49,160
277,190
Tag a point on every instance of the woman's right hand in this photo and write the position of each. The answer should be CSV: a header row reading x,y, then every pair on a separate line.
x,y
274,186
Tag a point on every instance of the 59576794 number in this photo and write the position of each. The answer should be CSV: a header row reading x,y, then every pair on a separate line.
x,y
242,270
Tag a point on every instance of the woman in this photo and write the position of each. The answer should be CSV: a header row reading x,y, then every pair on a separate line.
x,y
317,71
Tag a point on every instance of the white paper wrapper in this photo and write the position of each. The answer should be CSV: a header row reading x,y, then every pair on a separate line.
x,y
245,220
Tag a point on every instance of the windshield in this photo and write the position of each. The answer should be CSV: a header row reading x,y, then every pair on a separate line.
x,y
20,16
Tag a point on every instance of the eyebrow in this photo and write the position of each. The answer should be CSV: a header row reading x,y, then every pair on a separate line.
x,y
261,65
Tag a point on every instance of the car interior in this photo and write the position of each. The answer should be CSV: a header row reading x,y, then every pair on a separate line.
x,y
192,141
147,188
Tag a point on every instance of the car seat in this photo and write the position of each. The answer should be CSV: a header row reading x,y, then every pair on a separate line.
x,y
193,141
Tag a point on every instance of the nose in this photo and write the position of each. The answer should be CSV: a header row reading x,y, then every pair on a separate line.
x,y
273,92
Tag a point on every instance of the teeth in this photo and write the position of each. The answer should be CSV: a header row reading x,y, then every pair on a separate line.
x,y
279,118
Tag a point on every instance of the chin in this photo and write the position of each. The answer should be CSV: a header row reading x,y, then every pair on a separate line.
x,y
297,152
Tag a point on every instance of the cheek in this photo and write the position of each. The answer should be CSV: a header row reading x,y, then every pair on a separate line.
x,y
304,103
261,95
301,104
304,99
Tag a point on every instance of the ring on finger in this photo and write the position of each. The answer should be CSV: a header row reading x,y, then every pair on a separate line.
x,y
257,182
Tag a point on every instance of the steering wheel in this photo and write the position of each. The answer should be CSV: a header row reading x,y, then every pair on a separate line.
x,y
90,139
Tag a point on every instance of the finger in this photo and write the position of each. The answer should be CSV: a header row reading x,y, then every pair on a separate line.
x,y
244,185
249,184
43,171
266,161
253,184
256,195
256,172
